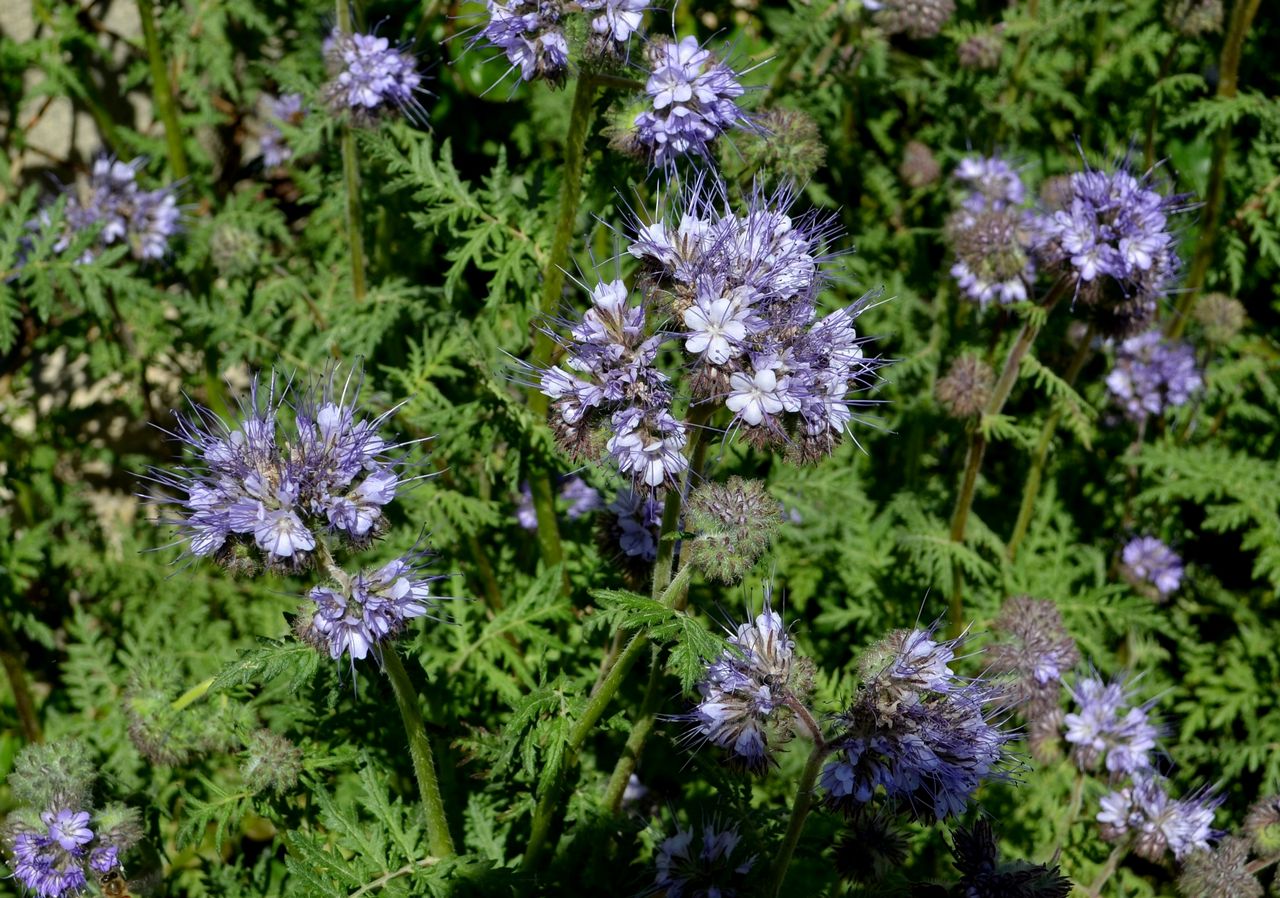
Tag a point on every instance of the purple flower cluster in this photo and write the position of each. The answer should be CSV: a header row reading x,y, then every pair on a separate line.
x,y
1106,727
1156,822
1035,653
368,76
531,35
145,220
582,499
715,869
1148,560
51,861
1153,374
693,96
991,235
285,109
746,691
613,24
1112,239
359,613
263,488
916,733
637,517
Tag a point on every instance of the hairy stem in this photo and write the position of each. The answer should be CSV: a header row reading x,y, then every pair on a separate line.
x,y
424,767
1069,818
1036,473
11,656
1113,861
978,442
351,182
799,814
1211,217
162,91
584,94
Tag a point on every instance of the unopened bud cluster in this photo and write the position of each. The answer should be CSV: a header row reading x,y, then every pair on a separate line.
x,y
734,523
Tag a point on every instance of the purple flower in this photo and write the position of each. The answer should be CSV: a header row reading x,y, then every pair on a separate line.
x,y
991,236
358,613
1147,559
530,34
271,484
287,109
715,868
1036,651
368,76
1107,727
1156,822
581,497
615,21
916,733
51,862
1113,240
638,518
693,95
104,859
1152,374
143,219
992,183
746,692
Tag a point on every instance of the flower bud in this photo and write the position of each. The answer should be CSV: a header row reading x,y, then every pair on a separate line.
x,y
1220,317
786,148
271,762
919,166
1262,825
61,770
980,52
234,250
966,389
871,848
917,19
1193,18
734,522
1220,872
118,826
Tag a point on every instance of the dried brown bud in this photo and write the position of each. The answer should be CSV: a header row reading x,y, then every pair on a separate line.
x,y
981,52
966,388
919,166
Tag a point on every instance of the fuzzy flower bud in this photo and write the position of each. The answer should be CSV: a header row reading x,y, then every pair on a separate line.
x,y
871,848
919,167
966,389
707,863
55,772
1220,872
917,19
271,762
1262,825
787,146
1220,317
983,875
981,51
1193,18
734,522
1036,651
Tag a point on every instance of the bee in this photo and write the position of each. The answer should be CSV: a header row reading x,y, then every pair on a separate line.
x,y
113,884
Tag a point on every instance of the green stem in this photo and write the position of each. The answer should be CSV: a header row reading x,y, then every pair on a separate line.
x,y
1228,83
162,91
1113,861
11,656
192,695
351,183
640,730
584,94
1262,863
1069,819
799,814
1036,473
978,442
424,767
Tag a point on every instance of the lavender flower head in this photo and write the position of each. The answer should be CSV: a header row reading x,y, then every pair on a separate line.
x,y
1152,375
1112,240
358,613
693,95
284,109
991,235
916,734
1157,823
614,23
530,34
582,499
750,692
145,220
368,76
710,867
270,486
1147,560
1036,649
1106,727
52,857
636,518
